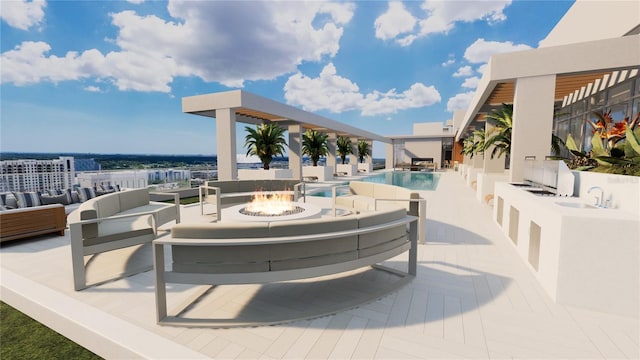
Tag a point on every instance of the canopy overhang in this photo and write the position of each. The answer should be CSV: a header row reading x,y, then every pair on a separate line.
x,y
253,109
575,66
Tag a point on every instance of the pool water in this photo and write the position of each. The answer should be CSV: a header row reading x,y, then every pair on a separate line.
x,y
407,179
413,180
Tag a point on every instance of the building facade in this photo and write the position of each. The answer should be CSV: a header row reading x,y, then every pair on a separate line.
x,y
133,179
37,175
429,140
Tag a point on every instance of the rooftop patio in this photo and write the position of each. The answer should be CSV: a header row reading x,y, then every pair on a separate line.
x,y
472,298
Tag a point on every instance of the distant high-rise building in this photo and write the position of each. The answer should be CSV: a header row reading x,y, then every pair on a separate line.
x,y
37,175
87,165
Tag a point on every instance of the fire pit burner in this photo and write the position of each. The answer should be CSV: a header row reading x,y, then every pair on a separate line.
x,y
295,210
300,211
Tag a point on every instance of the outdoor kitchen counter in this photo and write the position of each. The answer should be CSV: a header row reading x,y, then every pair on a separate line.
x,y
582,256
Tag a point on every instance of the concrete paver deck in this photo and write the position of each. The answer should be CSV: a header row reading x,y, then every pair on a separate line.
x,y
473,297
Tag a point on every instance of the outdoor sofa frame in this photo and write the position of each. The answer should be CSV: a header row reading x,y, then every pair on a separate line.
x,y
262,253
115,221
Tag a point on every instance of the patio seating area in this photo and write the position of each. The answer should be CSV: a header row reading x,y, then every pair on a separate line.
x,y
472,297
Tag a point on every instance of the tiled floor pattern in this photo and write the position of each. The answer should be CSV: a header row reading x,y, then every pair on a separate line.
x,y
473,298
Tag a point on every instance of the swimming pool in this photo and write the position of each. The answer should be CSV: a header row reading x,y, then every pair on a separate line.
x,y
412,180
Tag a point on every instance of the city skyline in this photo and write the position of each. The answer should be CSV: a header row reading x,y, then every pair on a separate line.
x,y
108,77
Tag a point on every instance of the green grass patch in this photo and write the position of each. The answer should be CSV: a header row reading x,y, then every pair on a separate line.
x,y
24,338
189,200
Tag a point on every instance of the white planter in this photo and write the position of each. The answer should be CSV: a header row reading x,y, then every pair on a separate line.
x,y
365,167
262,174
346,169
322,173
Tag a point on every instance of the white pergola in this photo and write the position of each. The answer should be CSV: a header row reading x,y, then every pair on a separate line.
x,y
231,107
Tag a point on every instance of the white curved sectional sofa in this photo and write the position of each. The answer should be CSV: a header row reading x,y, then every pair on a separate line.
x,y
263,252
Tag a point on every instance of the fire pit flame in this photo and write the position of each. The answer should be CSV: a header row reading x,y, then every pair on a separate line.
x,y
270,205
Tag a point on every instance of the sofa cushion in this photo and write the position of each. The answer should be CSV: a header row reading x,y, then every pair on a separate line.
x,y
225,230
133,198
302,263
86,193
382,236
312,226
121,229
27,199
55,199
108,205
66,192
362,188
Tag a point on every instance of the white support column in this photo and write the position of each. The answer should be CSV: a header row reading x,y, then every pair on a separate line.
x,y
495,165
390,156
331,156
532,121
295,149
369,158
353,157
226,140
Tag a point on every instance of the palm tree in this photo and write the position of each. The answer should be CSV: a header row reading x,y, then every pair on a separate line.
x,y
265,141
500,136
344,147
474,144
363,150
314,144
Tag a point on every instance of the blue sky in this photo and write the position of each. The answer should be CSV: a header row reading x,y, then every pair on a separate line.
x,y
108,76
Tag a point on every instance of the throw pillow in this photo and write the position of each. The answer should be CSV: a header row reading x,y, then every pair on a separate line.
x,y
27,199
65,192
54,199
103,192
112,188
8,200
75,198
86,194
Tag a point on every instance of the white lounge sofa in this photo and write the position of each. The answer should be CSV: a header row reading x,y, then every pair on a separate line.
x,y
368,196
115,221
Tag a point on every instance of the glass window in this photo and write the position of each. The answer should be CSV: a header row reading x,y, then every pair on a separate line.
x,y
620,93
599,99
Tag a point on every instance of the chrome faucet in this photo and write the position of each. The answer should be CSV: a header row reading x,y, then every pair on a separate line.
x,y
600,199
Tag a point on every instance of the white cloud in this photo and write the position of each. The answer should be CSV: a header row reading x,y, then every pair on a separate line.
x,y
206,40
336,94
463,71
28,63
460,101
471,83
480,51
448,62
135,1
440,17
397,20
92,89
22,14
